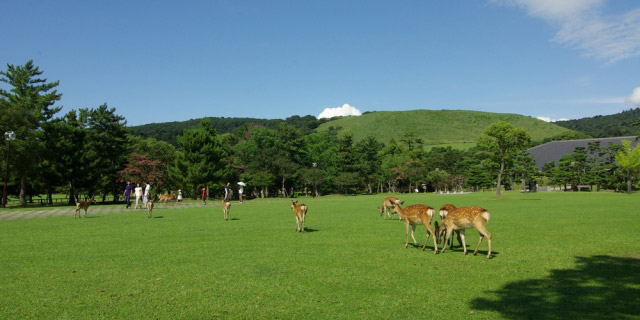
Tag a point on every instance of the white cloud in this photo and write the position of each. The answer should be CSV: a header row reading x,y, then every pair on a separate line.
x,y
345,110
548,119
634,98
582,24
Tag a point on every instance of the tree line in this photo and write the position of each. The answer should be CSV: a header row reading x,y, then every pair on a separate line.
x,y
89,152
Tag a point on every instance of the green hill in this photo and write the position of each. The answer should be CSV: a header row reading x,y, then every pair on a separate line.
x,y
457,128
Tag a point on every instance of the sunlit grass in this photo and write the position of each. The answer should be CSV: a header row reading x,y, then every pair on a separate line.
x,y
350,263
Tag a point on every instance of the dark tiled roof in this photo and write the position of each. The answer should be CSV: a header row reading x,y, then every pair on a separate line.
x,y
552,151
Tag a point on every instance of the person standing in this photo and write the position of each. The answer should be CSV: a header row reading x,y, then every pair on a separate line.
x,y
138,196
227,192
127,194
179,198
147,193
240,191
204,196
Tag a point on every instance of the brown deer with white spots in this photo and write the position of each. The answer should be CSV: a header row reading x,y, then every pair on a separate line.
x,y
225,209
387,206
461,219
300,212
444,210
414,215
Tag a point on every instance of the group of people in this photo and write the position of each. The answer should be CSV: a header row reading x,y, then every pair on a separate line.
x,y
228,192
145,195
140,195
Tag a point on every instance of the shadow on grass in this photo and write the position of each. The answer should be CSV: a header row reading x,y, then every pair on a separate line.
x,y
599,287
158,217
310,230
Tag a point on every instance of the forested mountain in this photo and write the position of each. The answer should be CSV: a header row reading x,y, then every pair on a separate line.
x,y
168,131
615,125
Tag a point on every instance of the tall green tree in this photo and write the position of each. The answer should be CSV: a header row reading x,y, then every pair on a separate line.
x,y
199,161
526,170
322,154
367,162
629,161
64,162
30,102
505,141
108,143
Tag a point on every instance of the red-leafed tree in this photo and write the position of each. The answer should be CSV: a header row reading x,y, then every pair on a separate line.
x,y
139,169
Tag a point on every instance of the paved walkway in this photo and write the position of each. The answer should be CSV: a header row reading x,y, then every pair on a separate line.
x,y
45,212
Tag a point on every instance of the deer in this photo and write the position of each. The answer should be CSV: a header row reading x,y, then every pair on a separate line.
x,y
165,197
82,205
225,209
465,218
387,205
444,210
414,215
149,206
300,212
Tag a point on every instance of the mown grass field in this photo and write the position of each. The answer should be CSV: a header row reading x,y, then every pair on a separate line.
x,y
556,256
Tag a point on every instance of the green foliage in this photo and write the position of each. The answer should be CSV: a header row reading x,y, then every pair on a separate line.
x,y
629,160
168,131
505,141
567,135
615,125
200,160
349,264
28,106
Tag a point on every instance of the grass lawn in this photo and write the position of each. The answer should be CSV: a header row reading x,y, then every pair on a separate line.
x,y
556,256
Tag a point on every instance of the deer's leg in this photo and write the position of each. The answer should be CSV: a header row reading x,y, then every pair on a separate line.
x,y
429,232
413,231
406,233
446,239
484,233
464,244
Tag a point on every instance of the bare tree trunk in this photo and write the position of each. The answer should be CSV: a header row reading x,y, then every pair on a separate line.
x,y
500,177
23,181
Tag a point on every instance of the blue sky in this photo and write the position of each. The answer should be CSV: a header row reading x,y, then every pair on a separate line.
x,y
160,61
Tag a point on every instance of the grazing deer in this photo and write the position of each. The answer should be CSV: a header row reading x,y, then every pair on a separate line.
x,y
165,197
225,209
82,205
300,212
149,206
465,218
387,206
415,215
444,210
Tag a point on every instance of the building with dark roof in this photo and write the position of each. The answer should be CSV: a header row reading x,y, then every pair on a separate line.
x,y
553,151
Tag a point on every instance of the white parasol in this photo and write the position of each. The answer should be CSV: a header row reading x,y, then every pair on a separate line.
x,y
242,184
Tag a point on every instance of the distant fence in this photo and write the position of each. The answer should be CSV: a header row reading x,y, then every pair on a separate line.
x,y
41,201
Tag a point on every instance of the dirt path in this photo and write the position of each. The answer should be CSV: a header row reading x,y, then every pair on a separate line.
x,y
45,212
